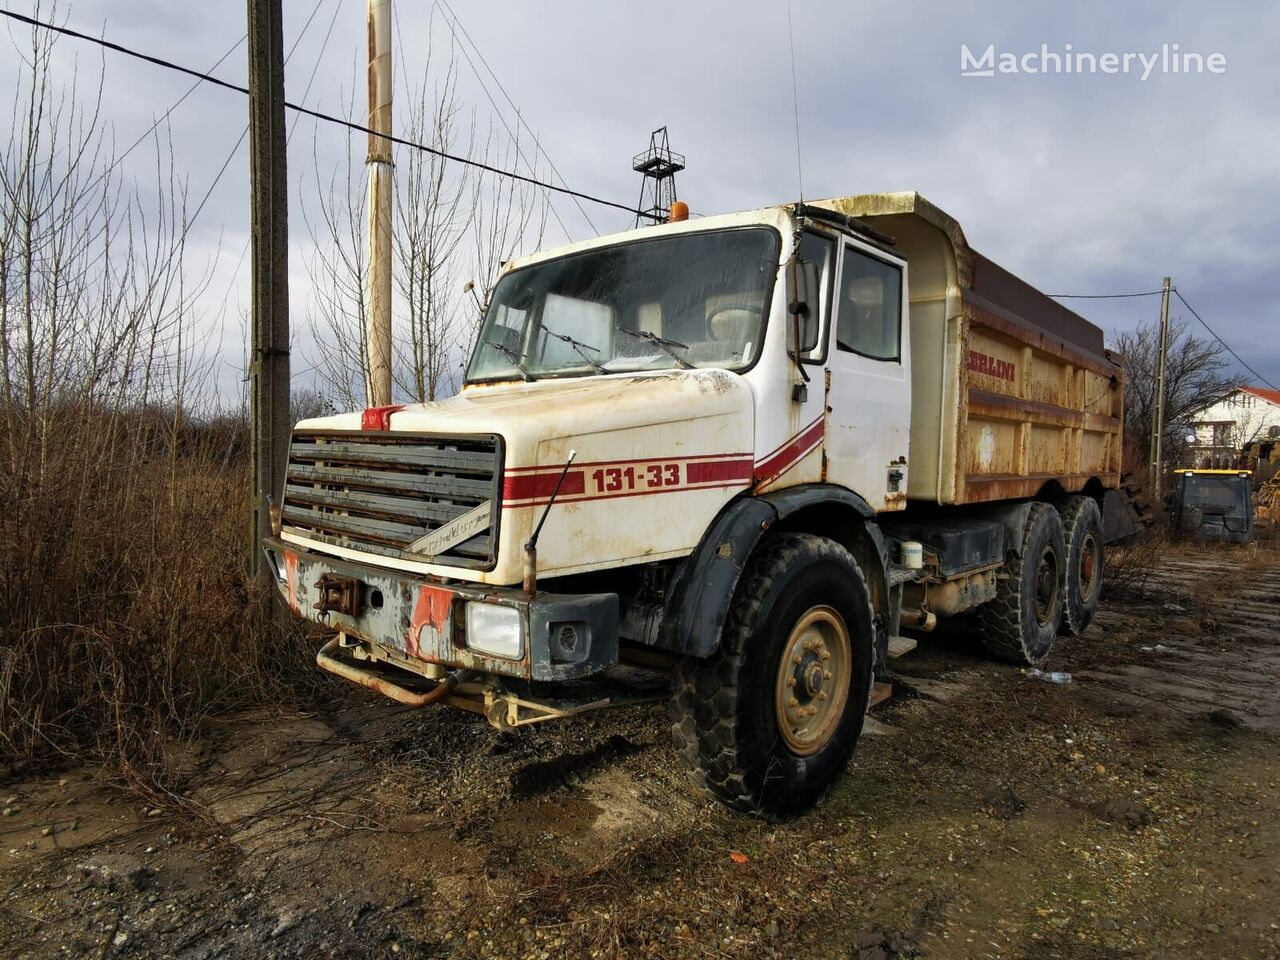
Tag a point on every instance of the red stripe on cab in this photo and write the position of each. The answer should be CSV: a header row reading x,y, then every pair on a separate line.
x,y
534,486
718,471
790,453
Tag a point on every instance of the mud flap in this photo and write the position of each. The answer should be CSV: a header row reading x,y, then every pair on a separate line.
x,y
1119,519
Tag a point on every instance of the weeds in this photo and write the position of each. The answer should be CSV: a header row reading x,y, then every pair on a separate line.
x,y
126,613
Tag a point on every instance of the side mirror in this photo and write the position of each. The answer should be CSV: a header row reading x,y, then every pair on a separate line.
x,y
802,306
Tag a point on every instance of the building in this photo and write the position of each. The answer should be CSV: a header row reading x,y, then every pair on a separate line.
x,y
1238,418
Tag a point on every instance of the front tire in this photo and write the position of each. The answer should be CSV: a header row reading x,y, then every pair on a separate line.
x,y
1021,623
1082,586
770,720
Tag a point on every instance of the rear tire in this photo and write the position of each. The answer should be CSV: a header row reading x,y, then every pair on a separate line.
x,y
1021,623
1082,585
769,722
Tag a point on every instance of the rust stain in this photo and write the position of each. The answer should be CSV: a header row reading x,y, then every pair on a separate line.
x,y
430,610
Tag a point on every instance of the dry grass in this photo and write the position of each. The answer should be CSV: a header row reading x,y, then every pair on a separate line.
x,y
126,612
1130,565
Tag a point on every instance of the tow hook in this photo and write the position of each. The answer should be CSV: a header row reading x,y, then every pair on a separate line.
x,y
339,594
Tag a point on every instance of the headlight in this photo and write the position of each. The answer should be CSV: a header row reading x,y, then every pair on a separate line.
x,y
494,630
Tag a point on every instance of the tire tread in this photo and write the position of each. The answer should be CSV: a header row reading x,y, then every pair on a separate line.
x,y
704,707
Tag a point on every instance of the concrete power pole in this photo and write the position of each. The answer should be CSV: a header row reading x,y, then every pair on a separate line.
x,y
377,286
269,357
1157,422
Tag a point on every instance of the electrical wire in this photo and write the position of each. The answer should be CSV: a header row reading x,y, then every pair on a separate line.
x,y
505,126
177,103
520,121
400,59
245,132
1155,293
1224,343
316,114
1103,296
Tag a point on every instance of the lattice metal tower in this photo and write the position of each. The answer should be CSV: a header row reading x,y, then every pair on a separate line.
x,y
658,166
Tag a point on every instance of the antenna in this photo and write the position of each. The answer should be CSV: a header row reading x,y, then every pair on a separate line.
x,y
795,101
659,166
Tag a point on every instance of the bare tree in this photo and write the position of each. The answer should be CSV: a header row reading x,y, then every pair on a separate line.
x,y
510,219
122,515
446,216
337,268
1195,376
435,200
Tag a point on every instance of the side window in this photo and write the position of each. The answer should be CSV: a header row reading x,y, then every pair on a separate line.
x,y
869,307
821,252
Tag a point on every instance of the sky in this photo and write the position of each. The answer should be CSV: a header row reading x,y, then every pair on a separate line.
x,y
1095,184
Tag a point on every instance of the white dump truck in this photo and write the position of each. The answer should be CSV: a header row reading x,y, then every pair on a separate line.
x,y
748,450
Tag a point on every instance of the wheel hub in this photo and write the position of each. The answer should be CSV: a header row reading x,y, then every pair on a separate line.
x,y
813,680
812,673
1090,562
1047,581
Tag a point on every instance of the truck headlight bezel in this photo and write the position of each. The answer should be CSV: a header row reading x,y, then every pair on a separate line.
x,y
495,630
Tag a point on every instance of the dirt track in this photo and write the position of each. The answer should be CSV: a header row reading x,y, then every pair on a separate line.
x,y
1132,813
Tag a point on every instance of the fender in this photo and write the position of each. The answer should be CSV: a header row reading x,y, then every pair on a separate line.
x,y
793,499
697,604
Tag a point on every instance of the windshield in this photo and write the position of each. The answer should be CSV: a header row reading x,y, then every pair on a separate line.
x,y
1217,495
690,300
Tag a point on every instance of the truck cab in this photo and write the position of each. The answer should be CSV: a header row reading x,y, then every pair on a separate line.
x,y
747,450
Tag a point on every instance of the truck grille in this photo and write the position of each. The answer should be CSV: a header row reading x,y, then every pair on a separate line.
x,y
379,492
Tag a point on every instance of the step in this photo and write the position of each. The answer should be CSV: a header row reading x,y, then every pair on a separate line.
x,y
880,692
901,645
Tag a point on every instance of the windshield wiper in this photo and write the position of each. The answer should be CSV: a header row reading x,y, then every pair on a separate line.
x,y
579,347
664,344
511,355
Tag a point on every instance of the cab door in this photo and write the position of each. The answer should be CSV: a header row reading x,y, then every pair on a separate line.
x,y
868,377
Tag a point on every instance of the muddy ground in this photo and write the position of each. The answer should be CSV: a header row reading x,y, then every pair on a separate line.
x,y
1134,812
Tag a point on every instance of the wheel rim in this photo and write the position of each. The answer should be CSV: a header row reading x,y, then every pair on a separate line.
x,y
814,676
1090,566
1047,580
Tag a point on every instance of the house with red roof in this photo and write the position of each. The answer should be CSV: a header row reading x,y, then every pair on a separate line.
x,y
1234,420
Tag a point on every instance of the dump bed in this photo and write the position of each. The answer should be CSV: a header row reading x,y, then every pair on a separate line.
x,y
1010,390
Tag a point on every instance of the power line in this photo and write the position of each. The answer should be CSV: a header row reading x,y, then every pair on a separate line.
x,y
400,59
349,124
520,121
1103,296
1224,343
1156,293
315,67
244,133
177,103
514,139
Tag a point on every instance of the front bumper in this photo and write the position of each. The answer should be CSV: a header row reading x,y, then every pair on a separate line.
x,y
565,636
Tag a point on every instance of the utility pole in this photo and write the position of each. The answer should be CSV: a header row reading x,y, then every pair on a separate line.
x,y
269,356
377,284
1157,422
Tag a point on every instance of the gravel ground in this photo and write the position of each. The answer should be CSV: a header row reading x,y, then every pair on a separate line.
x,y
1134,812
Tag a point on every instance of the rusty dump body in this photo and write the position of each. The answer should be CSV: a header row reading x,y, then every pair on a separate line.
x,y
1011,391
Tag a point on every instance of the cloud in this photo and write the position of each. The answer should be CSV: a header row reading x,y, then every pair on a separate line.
x,y
1079,183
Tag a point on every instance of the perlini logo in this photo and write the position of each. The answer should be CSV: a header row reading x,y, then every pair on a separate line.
x,y
1169,59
